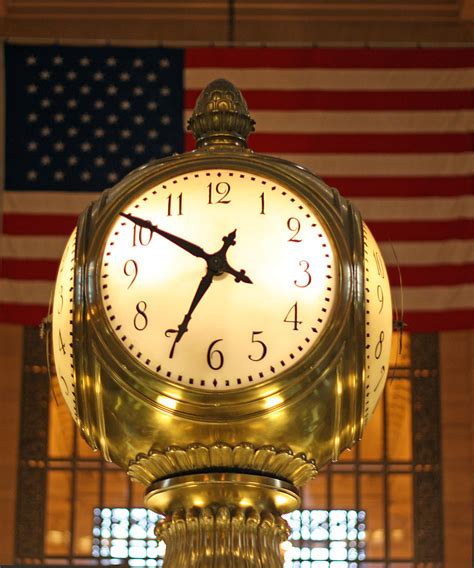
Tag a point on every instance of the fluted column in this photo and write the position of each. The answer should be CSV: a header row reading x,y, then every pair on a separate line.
x,y
223,537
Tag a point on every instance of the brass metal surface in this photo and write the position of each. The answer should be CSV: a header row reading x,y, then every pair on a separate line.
x,y
221,116
211,489
282,464
296,409
223,537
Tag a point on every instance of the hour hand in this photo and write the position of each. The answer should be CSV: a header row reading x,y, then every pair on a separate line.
x,y
193,249
220,258
239,275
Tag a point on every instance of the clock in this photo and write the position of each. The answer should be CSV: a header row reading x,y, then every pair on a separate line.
x,y
218,279
378,323
62,328
221,308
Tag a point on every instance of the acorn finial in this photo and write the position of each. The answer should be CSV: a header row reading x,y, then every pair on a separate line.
x,y
221,116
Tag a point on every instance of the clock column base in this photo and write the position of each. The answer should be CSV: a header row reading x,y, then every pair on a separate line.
x,y
222,519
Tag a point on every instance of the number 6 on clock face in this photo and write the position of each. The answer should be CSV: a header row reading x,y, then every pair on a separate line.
x,y
218,279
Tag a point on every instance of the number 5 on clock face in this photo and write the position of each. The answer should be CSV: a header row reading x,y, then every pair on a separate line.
x,y
218,279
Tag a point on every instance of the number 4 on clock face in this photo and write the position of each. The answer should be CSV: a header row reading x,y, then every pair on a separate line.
x,y
209,279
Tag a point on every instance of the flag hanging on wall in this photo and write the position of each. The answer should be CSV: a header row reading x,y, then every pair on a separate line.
x,y
392,129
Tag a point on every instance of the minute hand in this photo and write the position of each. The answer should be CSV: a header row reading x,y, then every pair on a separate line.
x,y
195,250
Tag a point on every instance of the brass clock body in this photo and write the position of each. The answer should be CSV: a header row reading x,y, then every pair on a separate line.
x,y
230,319
319,399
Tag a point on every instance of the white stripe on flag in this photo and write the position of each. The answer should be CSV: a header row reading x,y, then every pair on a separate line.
x,y
25,291
358,122
38,248
48,202
428,253
434,298
316,79
415,208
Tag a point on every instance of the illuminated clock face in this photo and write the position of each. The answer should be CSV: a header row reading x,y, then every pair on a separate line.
x,y
63,327
218,279
378,323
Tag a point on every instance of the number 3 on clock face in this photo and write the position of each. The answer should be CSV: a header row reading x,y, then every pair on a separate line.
x,y
218,279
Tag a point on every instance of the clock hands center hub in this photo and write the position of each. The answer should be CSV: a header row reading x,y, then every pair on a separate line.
x,y
216,266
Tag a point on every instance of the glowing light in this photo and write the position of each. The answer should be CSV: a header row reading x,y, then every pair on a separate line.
x,y
281,500
168,402
110,540
273,401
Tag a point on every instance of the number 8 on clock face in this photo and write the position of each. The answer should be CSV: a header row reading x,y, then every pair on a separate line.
x,y
218,279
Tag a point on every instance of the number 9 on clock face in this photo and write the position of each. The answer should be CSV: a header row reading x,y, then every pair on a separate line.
x,y
218,279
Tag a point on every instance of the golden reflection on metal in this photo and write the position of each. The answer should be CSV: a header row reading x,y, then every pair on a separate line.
x,y
262,492
222,466
222,519
280,463
226,537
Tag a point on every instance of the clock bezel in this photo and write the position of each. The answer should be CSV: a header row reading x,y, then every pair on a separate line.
x,y
186,400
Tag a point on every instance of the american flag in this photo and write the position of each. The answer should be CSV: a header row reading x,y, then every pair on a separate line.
x,y
392,129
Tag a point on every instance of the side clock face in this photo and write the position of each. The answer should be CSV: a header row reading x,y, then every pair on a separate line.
x,y
378,323
218,279
63,326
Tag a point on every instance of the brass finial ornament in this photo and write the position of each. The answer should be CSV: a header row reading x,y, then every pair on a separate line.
x,y
230,318
221,116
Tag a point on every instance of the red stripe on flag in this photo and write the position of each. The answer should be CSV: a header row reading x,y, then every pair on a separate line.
x,y
354,100
27,224
443,275
301,143
421,230
445,320
402,186
29,269
334,58
22,314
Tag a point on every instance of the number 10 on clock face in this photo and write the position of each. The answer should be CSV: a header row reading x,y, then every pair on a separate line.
x,y
218,279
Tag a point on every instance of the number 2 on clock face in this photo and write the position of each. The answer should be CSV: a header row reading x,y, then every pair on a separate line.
x,y
218,279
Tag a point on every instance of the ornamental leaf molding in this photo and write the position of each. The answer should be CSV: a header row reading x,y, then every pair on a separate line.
x,y
281,463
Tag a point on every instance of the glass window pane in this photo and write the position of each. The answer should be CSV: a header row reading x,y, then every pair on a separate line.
x,y
343,491
314,494
61,425
138,494
58,513
372,502
371,445
87,497
401,515
399,435
116,492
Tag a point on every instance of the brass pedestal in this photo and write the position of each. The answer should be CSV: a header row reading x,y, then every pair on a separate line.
x,y
222,519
